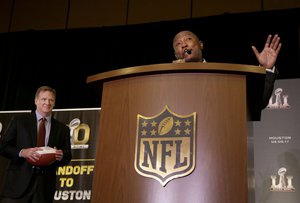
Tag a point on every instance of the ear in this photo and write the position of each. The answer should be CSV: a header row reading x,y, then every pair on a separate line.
x,y
201,44
177,55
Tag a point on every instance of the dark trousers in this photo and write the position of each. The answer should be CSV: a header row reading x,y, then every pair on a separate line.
x,y
32,195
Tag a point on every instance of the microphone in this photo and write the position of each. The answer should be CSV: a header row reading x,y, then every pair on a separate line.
x,y
186,51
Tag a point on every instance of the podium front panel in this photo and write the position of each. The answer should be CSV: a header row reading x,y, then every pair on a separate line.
x,y
220,174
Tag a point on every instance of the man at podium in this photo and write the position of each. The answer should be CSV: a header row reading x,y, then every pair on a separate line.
x,y
188,48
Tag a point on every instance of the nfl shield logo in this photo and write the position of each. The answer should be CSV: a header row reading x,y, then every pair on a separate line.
x,y
165,145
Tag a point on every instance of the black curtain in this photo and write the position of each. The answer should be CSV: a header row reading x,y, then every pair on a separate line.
x,y
64,59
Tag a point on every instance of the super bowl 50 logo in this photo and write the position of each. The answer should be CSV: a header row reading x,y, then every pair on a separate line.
x,y
0,128
165,145
79,134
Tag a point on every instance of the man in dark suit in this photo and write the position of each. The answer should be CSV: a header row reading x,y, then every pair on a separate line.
x,y
25,183
188,48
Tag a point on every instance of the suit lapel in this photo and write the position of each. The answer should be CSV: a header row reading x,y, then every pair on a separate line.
x,y
33,128
53,133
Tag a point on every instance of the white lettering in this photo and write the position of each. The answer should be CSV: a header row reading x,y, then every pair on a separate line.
x,y
73,195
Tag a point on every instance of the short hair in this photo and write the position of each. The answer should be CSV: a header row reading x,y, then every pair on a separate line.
x,y
185,32
43,89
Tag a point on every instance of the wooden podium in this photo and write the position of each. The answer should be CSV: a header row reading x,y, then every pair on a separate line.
x,y
218,93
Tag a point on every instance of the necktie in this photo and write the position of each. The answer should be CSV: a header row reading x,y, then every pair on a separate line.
x,y
41,133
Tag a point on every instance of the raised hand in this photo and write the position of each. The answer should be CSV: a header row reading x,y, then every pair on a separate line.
x,y
268,56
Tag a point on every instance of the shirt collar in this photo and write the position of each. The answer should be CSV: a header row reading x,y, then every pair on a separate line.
x,y
39,116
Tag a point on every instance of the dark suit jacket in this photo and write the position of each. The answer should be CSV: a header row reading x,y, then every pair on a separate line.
x,y
269,87
21,134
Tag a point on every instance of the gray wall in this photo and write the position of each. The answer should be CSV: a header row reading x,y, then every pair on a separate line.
x,y
277,145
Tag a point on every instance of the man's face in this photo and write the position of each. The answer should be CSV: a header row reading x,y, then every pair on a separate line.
x,y
45,102
188,47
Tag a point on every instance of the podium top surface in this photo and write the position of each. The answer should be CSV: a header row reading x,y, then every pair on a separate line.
x,y
177,67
